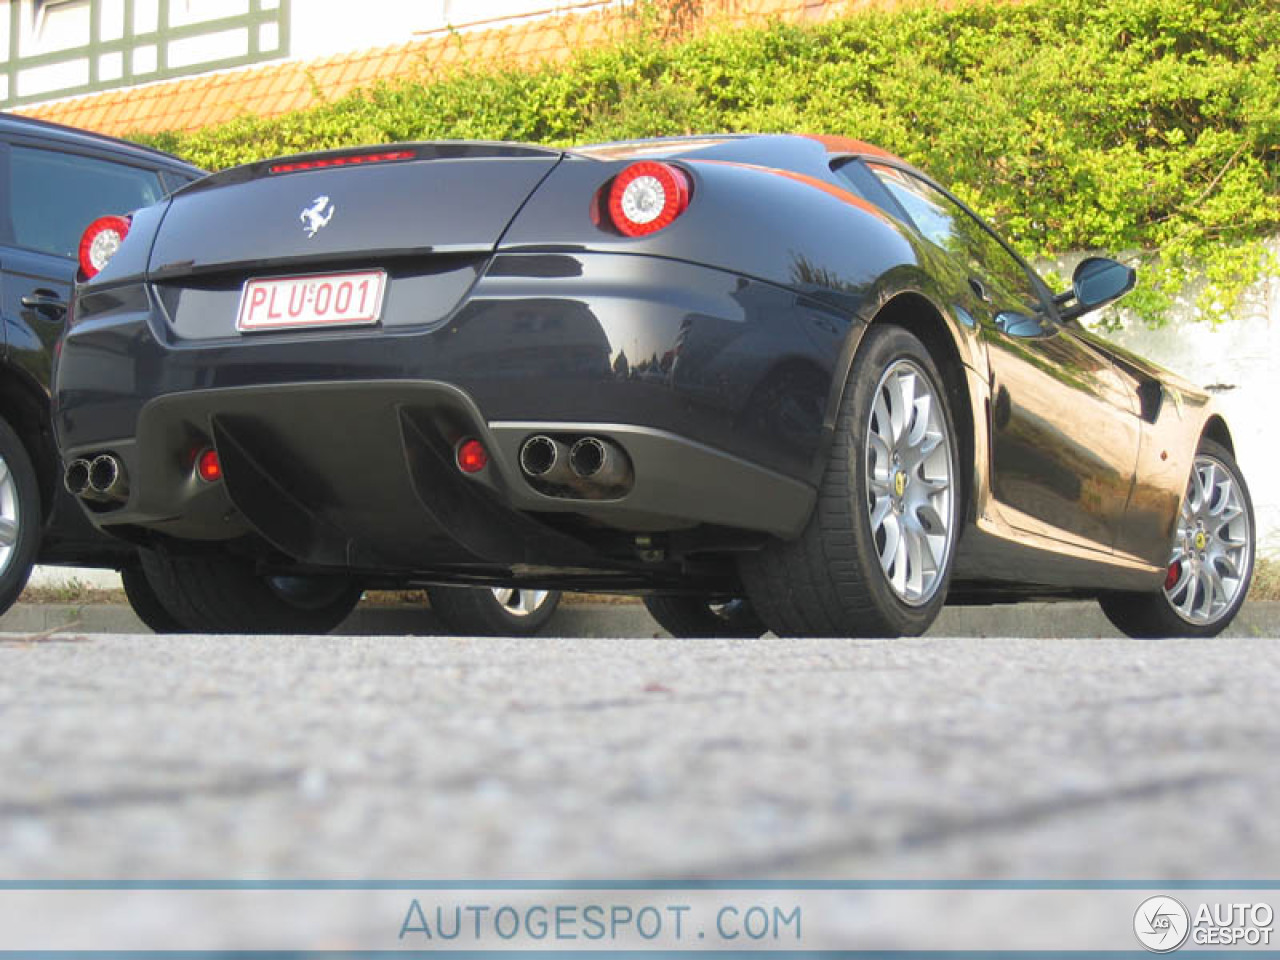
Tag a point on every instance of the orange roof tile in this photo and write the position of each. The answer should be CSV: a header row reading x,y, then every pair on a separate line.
x,y
188,104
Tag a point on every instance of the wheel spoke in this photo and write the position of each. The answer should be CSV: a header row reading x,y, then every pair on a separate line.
x,y
927,445
930,520
934,485
898,576
1204,592
1225,566
892,535
880,447
1219,497
1184,580
1197,497
902,410
880,510
4,470
883,419
920,422
1188,602
528,601
8,532
915,550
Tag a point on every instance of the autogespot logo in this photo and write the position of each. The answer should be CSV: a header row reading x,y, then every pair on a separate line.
x,y
1161,924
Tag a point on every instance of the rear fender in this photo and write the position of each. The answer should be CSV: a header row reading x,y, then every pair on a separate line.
x,y
908,297
803,231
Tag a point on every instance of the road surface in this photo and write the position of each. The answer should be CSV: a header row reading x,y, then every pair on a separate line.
x,y
375,757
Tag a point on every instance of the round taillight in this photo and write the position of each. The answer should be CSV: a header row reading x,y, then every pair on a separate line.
x,y
208,466
472,456
100,242
647,196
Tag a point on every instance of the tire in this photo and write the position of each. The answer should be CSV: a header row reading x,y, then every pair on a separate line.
x,y
1183,608
688,617
21,519
223,594
482,612
146,602
831,581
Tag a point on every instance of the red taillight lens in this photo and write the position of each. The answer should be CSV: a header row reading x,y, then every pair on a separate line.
x,y
647,196
100,241
208,466
350,160
472,456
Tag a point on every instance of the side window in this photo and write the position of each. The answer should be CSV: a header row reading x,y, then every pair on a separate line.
x,y
55,195
925,206
944,222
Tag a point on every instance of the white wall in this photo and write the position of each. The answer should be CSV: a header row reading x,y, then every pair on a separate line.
x,y
322,28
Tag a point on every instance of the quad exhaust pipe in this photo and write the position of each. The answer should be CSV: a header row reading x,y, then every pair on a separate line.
x,y
546,459
591,465
76,477
102,479
600,463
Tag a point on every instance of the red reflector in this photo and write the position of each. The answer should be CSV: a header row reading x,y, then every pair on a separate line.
x,y
647,196
472,456
350,160
208,466
99,242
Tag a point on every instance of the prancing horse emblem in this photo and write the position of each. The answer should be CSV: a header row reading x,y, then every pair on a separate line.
x,y
314,217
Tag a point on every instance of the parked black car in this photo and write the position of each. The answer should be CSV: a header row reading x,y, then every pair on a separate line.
x,y
769,381
54,181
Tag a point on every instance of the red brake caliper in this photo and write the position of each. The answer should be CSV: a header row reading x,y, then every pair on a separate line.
x,y
1171,578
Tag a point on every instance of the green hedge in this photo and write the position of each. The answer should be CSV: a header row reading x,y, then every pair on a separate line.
x,y
1118,125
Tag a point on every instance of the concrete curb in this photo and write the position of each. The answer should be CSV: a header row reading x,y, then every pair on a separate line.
x,y
1061,620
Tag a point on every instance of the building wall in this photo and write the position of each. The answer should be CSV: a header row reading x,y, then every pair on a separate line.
x,y
54,48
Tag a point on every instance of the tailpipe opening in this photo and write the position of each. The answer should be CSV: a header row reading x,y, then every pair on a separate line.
x,y
600,463
76,477
107,480
546,459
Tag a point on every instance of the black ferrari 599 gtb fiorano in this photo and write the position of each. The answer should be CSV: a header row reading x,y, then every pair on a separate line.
x,y
779,382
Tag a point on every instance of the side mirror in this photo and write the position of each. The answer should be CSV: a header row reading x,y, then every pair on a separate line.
x,y
1097,281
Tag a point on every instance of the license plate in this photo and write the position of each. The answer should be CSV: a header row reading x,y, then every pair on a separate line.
x,y
316,300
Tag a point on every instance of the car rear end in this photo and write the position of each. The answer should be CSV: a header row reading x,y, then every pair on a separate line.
x,y
390,360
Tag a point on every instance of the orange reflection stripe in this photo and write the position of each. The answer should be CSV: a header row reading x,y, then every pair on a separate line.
x,y
844,196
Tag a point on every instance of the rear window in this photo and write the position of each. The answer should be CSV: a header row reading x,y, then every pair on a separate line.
x,y
55,195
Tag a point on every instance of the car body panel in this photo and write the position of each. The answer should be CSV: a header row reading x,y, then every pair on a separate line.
x,y
715,352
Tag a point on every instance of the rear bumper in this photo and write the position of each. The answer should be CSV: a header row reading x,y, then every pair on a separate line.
x,y
338,446
361,475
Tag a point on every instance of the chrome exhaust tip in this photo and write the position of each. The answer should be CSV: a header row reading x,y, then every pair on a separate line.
x,y
76,477
107,478
547,459
600,463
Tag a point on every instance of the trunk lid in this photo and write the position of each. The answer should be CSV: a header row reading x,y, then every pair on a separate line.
x,y
441,199
428,216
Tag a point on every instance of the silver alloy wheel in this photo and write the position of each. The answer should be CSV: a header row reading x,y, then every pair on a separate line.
x,y
10,515
520,603
1209,565
909,485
